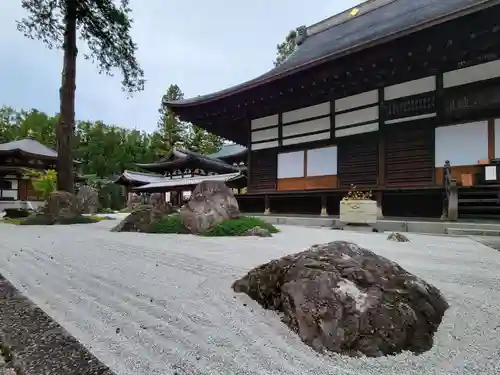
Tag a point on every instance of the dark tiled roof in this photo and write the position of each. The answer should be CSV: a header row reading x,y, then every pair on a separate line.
x,y
228,151
372,24
189,181
184,158
28,146
139,177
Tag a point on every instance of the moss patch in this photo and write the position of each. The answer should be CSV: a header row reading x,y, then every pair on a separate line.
x,y
237,227
45,220
170,224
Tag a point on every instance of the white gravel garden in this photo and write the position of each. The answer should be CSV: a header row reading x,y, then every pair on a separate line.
x,y
163,304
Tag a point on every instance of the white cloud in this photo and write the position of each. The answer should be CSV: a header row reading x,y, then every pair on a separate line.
x,y
201,46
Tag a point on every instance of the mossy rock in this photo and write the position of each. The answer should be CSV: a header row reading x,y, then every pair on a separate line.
x,y
169,224
239,227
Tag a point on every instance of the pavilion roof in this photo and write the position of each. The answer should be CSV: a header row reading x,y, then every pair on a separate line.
x,y
189,159
28,146
170,183
228,151
137,178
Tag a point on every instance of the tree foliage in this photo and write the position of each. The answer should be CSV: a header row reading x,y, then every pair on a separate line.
x,y
103,150
285,49
44,182
171,130
175,133
104,26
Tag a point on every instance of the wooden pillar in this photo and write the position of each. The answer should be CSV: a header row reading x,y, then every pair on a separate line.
x,y
380,213
381,141
180,198
324,211
491,140
267,205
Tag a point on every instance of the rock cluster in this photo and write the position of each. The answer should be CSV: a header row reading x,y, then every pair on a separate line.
x,y
211,203
346,299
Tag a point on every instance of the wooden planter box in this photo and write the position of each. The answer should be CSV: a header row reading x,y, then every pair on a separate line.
x,y
358,212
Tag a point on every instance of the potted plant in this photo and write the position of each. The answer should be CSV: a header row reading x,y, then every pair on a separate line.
x,y
358,207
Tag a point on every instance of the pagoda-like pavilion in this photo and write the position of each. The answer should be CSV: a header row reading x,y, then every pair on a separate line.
x,y
184,169
17,158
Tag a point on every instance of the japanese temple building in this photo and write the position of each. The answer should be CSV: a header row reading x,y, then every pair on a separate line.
x,y
17,158
184,169
380,96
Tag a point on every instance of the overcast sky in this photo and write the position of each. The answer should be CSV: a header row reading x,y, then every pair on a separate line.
x,y
203,46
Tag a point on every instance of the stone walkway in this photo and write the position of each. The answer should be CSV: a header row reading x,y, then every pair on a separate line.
x,y
162,304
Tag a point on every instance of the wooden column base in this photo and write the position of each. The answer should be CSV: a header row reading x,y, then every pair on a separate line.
x,y
267,209
380,214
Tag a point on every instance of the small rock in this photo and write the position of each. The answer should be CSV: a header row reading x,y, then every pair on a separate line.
x,y
398,237
118,330
257,232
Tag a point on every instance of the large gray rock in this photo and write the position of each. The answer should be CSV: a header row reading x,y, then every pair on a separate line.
x,y
61,206
143,218
88,199
346,299
211,203
157,198
134,200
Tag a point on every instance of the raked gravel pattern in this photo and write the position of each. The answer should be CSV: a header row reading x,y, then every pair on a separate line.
x,y
163,304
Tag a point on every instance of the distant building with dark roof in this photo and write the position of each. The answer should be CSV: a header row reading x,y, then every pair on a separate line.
x,y
16,159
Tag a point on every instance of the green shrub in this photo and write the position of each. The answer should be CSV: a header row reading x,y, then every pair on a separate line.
x,y
16,213
239,226
80,220
170,224
37,220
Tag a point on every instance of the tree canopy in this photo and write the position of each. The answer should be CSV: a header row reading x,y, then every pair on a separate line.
x,y
106,150
104,25
286,48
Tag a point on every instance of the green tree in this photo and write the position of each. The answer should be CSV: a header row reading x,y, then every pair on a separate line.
x,y
105,27
285,49
203,142
44,183
102,149
172,131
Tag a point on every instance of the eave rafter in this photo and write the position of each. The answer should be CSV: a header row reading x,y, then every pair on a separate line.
x,y
427,52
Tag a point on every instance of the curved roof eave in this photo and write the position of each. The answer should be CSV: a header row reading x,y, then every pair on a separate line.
x,y
461,8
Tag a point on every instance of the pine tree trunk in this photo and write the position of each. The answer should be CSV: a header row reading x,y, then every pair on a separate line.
x,y
66,124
